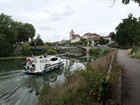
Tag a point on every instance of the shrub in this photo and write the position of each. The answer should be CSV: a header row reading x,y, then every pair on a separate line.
x,y
98,52
51,51
113,45
96,76
26,49
72,92
95,81
85,87
129,51
104,52
95,51
6,51
137,54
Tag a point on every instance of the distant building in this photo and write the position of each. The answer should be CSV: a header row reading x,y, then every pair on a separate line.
x,y
91,36
74,37
109,37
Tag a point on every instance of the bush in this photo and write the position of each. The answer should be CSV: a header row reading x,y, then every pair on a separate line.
x,y
113,45
72,92
104,52
26,49
129,51
95,80
51,52
105,90
85,87
137,54
6,48
6,51
95,51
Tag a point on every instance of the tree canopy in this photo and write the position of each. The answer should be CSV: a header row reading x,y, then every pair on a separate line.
x,y
8,34
37,42
26,31
12,32
128,1
128,32
7,31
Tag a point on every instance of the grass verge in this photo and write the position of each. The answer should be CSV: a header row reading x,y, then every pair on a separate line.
x,y
137,54
87,87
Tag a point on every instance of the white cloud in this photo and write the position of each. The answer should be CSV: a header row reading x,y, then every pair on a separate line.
x,y
53,19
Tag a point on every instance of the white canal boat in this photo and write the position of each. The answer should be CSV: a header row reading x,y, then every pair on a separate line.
x,y
42,64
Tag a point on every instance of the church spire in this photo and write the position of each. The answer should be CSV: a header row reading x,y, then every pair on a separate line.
x,y
71,33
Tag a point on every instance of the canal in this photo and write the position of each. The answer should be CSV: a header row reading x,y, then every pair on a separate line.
x,y
17,88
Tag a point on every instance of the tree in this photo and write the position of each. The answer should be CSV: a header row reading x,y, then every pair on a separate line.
x,y
25,31
112,34
103,41
8,35
7,28
127,31
30,30
26,49
137,37
38,41
12,32
128,1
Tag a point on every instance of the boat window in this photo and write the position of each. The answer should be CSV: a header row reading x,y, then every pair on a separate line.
x,y
54,59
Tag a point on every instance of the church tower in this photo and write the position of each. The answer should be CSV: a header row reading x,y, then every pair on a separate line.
x,y
71,34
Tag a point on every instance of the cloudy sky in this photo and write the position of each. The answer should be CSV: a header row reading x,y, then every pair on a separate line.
x,y
53,19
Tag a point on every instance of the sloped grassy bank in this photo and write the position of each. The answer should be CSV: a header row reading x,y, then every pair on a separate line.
x,y
86,87
134,52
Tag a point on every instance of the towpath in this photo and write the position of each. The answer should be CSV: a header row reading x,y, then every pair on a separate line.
x,y
130,91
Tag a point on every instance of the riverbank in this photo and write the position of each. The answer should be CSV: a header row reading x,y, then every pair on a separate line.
x,y
14,57
87,87
135,53
19,57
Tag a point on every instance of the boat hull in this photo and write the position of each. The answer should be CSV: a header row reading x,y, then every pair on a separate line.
x,y
45,69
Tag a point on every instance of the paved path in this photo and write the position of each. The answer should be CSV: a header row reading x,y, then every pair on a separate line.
x,y
130,84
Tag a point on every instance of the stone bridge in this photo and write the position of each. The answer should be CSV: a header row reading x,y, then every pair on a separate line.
x,y
73,50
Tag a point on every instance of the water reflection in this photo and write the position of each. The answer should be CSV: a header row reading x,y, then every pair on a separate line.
x,y
17,88
11,64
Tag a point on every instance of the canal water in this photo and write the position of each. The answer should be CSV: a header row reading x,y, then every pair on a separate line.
x,y
17,88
